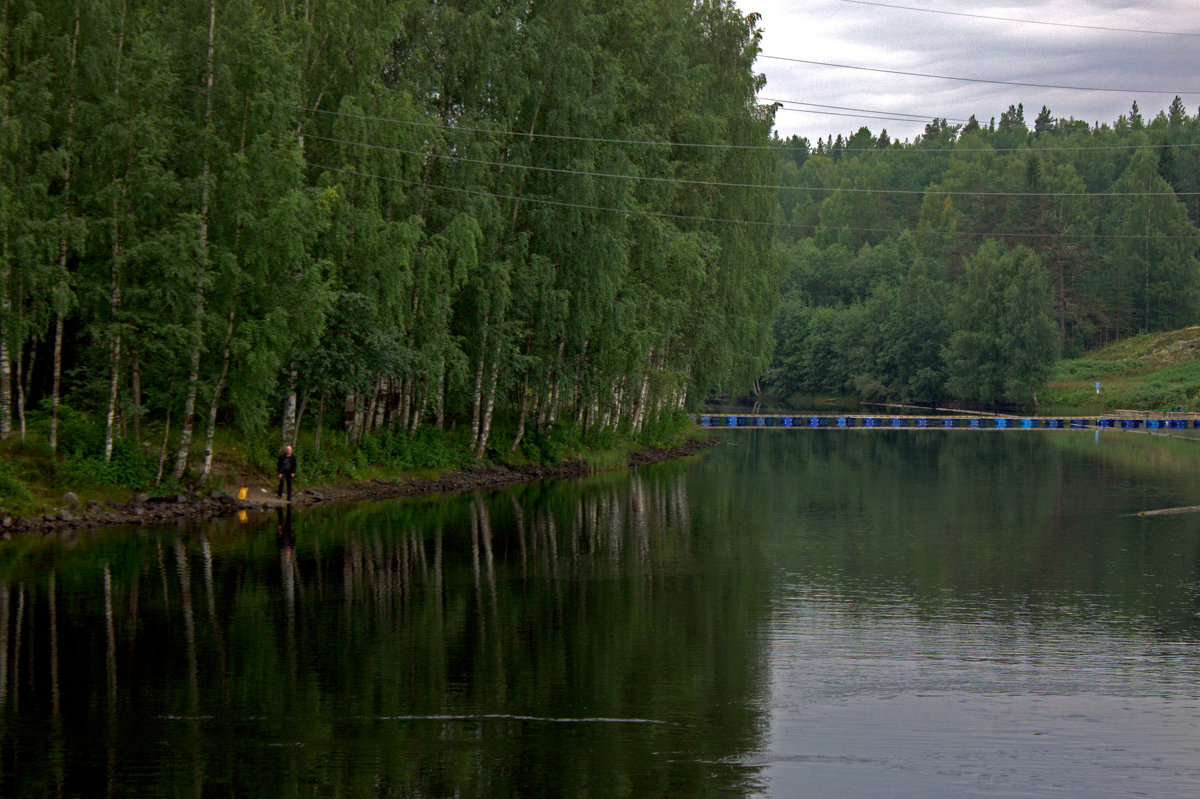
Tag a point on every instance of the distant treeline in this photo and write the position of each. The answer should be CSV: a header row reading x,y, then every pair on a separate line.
x,y
961,265
397,214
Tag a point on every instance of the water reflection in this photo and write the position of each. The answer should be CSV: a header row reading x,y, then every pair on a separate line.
x,y
575,639
829,614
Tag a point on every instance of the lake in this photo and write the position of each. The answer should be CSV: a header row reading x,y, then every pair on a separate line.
x,y
827,613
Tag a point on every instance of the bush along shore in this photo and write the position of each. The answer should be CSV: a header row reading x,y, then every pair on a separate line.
x,y
43,494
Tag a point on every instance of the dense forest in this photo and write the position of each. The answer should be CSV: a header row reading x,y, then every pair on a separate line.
x,y
961,265
396,216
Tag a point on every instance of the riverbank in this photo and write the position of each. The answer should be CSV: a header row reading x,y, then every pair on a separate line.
x,y
142,508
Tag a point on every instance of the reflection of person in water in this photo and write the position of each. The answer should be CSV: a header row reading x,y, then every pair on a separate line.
x,y
284,534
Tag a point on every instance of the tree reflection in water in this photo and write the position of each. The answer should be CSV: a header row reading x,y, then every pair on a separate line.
x,y
580,638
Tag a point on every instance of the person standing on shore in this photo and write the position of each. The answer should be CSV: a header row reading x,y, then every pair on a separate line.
x,y
287,470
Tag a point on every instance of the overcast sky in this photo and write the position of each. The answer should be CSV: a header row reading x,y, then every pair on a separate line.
x,y
1147,68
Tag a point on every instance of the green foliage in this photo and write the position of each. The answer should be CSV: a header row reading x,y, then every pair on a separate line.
x,y
1003,343
1108,211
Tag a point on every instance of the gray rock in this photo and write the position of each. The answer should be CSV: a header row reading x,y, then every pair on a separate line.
x,y
70,499
6,522
64,515
140,498
93,506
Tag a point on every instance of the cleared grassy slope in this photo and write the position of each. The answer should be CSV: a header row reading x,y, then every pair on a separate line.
x,y
1155,371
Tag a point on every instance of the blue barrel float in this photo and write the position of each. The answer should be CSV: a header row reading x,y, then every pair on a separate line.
x,y
947,423
787,421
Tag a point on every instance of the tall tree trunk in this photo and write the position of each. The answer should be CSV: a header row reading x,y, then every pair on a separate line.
x,y
56,372
60,310
25,382
211,431
114,381
135,390
299,420
440,409
485,429
117,254
477,396
5,363
522,412
162,452
189,405
288,428
320,424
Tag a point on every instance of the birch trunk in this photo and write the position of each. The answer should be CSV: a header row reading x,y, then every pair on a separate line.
x,y
288,430
189,405
25,382
162,452
210,433
320,424
477,401
522,412
135,389
114,381
485,431
61,311
299,420
5,363
440,410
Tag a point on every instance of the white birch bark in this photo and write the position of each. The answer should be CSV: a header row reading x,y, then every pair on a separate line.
x,y
189,405
210,432
60,312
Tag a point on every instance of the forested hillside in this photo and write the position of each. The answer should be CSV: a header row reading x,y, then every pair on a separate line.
x,y
959,266
413,214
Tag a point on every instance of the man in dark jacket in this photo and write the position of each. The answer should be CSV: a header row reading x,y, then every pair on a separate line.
x,y
287,470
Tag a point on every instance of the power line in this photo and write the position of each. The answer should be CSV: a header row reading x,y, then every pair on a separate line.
x,y
866,113
1023,21
734,185
744,222
775,147
974,80
552,136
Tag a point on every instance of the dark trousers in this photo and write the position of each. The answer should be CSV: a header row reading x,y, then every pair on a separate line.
x,y
287,478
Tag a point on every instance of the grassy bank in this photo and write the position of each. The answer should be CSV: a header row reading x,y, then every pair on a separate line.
x,y
1155,371
33,480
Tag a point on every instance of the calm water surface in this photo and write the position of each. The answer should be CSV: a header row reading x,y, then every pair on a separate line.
x,y
793,614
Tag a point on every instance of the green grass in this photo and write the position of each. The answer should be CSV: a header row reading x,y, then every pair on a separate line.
x,y
33,480
1155,371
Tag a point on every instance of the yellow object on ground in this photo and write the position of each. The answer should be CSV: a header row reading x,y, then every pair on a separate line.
x,y
242,492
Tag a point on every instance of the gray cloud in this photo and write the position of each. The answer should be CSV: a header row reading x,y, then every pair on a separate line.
x,y
1150,69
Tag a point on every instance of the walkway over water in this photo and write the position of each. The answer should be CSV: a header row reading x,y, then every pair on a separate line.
x,y
1163,421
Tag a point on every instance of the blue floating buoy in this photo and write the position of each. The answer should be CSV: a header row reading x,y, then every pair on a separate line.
x,y
733,421
1001,423
841,421
787,421
947,423
897,421
1026,423
869,421
922,422
814,421
973,423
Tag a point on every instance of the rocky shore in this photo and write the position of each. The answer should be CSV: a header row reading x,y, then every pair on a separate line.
x,y
144,509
